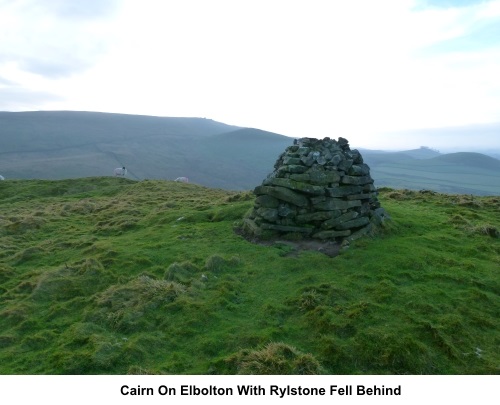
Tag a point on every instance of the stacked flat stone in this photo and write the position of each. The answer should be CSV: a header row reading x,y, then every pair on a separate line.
x,y
319,188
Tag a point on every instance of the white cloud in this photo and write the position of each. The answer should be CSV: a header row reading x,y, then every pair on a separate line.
x,y
301,68
48,39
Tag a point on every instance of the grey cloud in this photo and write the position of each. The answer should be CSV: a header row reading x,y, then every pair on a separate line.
x,y
59,65
6,82
54,62
16,98
55,38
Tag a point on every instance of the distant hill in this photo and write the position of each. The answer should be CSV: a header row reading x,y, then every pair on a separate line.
x,y
422,153
463,172
49,130
374,158
241,158
469,159
68,144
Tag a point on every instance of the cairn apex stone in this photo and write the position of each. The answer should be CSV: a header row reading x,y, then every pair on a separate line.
x,y
343,142
320,189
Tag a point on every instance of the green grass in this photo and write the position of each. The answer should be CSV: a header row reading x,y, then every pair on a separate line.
x,y
111,276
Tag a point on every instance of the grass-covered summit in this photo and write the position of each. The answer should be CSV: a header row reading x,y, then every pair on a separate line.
x,y
106,276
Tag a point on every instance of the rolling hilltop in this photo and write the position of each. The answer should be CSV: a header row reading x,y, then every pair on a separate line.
x,y
461,172
106,275
64,144
58,145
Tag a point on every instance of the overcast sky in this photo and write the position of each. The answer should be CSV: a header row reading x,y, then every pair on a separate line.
x,y
362,69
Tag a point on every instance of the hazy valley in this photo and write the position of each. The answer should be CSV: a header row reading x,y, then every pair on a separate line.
x,y
59,145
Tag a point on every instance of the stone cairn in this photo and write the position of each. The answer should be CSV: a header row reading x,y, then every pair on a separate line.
x,y
319,189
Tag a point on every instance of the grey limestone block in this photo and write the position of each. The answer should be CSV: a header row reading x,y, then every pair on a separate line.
x,y
285,228
317,216
266,201
343,191
331,234
359,170
336,204
360,233
284,194
303,187
269,214
335,222
356,180
355,223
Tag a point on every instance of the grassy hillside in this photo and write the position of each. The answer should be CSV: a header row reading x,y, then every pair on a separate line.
x,y
69,144
380,155
104,276
243,157
53,130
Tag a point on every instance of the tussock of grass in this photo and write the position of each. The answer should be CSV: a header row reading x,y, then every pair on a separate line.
x,y
27,254
473,227
126,306
16,225
216,263
6,272
16,313
245,196
309,300
83,207
184,272
484,229
391,353
275,358
138,370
